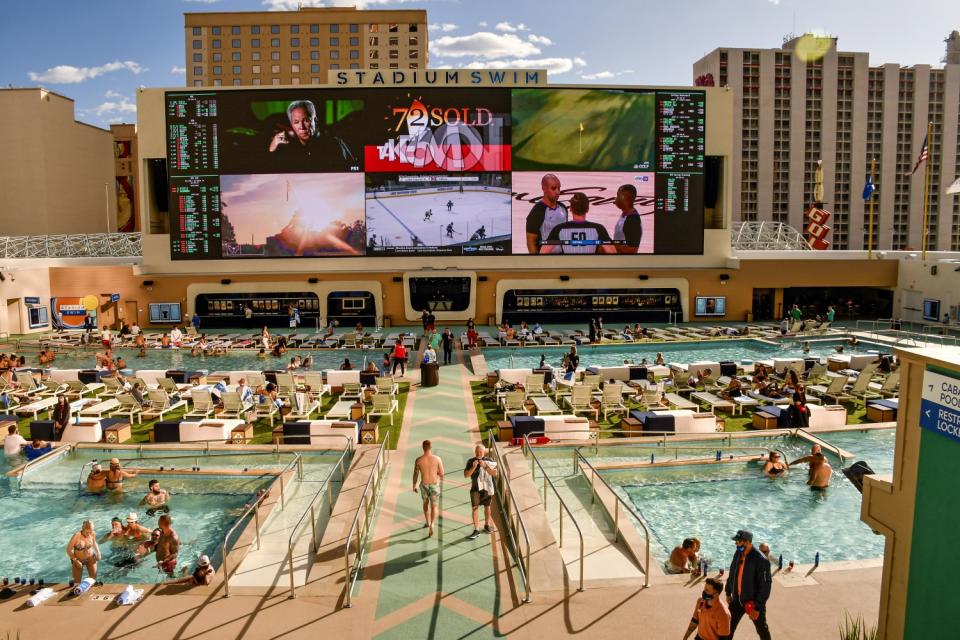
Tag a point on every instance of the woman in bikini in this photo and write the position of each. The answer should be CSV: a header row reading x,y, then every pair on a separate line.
x,y
116,476
83,550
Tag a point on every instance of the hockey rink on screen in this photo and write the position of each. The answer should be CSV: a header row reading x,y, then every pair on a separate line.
x,y
599,187
397,216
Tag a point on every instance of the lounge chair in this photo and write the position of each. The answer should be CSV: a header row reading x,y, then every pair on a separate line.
x,y
386,384
533,385
233,406
203,404
676,401
352,391
835,389
612,400
36,406
99,409
581,400
860,390
514,403
160,404
129,407
171,386
890,388
383,405
302,406
714,401
52,388
265,407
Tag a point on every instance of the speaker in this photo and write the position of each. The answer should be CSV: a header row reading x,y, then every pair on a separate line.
x,y
158,179
225,281
564,278
313,280
933,270
398,278
711,180
643,277
148,283
724,276
481,278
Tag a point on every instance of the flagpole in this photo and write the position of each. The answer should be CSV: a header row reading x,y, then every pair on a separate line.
x,y
926,192
873,168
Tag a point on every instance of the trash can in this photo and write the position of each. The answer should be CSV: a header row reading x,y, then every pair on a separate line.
x,y
429,374
748,316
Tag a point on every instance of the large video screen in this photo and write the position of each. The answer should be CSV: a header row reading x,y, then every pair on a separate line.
x,y
314,172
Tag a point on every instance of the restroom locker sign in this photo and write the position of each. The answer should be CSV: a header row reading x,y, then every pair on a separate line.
x,y
940,404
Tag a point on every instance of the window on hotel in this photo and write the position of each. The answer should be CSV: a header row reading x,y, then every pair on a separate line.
x,y
275,81
255,68
215,43
374,41
334,42
354,28
217,57
274,42
235,56
198,83
235,70
393,27
294,68
414,54
334,55
334,28
294,55
235,30
235,43
217,82
413,41
274,28
314,80
294,42
354,54
274,55
314,68
354,65
394,54
198,71
374,54
394,42
294,28
314,55
414,28
198,57
314,42
254,55
255,29
334,66
314,28
215,30
274,68
354,42
198,44
256,81
217,70
374,28
236,82
196,31
255,43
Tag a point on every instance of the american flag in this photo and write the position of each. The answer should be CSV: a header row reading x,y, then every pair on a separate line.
x,y
923,157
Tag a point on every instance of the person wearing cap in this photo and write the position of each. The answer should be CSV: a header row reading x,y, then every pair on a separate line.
x,y
820,470
202,575
133,530
116,475
96,479
748,586
710,620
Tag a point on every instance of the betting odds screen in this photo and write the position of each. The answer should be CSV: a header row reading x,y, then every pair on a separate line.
x,y
405,171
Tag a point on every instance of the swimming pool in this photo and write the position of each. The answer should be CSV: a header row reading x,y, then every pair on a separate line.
x,y
710,351
40,517
239,360
711,502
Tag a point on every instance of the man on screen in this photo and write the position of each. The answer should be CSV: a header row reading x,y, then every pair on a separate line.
x,y
547,213
629,230
578,236
301,142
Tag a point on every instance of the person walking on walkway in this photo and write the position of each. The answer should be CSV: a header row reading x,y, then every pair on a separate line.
x,y
710,620
447,341
481,470
748,586
428,469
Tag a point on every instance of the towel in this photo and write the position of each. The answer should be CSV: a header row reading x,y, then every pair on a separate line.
x,y
485,480
129,595
39,597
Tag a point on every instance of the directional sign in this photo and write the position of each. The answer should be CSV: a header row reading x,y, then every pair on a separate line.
x,y
940,404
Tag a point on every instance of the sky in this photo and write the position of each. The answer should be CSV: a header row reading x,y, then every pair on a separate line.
x,y
99,52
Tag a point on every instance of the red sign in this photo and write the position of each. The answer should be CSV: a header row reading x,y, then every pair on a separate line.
x,y
817,228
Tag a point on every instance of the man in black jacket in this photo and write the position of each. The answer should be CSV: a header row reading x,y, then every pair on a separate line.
x,y
748,587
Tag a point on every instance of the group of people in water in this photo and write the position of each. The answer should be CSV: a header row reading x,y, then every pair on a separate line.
x,y
134,541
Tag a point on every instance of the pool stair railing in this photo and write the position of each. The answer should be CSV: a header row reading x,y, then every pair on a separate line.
x,y
361,527
517,538
32,465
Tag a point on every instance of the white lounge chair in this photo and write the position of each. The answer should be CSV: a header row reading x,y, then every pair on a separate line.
x,y
514,403
129,407
203,404
160,404
383,405
581,400
98,410
612,400
233,406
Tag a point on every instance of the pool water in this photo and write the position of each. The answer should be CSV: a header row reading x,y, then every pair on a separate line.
x,y
40,517
712,502
715,351
239,360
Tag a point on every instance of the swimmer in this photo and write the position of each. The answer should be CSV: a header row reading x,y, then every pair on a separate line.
x,y
142,353
156,499
774,467
202,575
168,545
683,557
133,530
116,531
818,478
83,551
116,476
659,359
143,549
97,479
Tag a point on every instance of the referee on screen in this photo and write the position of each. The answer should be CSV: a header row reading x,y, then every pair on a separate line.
x,y
578,236
629,230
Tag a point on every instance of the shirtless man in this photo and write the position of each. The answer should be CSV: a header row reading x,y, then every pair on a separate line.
x,y
429,470
133,529
683,558
168,546
820,470
774,467
115,476
97,480
156,499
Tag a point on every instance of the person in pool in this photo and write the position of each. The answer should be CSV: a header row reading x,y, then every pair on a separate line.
x,y
168,545
156,499
96,479
683,558
774,467
133,530
202,575
116,531
116,475
83,551
820,469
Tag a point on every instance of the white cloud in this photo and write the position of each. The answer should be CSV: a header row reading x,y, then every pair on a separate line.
x,y
203,1
67,74
442,27
510,28
483,23
484,44
774,2
604,75
539,39
110,107
554,66
111,94
177,70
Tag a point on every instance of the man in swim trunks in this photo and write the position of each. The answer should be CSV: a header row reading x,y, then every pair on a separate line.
x,y
168,545
156,499
202,575
115,475
97,480
774,467
429,470
820,470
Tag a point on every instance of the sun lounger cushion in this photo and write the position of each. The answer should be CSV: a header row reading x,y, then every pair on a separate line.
x,y
523,425
167,431
42,430
296,433
780,413
638,373
654,421
728,368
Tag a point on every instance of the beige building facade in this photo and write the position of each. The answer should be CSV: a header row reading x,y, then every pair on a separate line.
x,y
57,174
299,47
791,111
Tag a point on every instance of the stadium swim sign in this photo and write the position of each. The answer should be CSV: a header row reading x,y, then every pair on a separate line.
x,y
439,78
940,404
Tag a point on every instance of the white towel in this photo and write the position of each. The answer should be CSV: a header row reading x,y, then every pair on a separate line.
x,y
129,595
39,597
485,480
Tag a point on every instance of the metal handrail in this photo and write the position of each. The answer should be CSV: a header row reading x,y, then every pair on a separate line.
x,y
616,513
368,503
514,519
196,458
823,444
255,507
61,449
563,505
325,484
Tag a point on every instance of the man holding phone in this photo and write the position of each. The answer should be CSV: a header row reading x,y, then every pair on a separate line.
x,y
481,470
